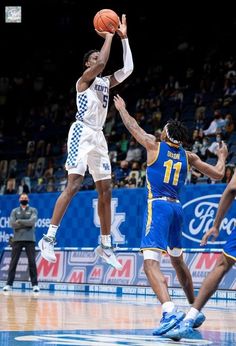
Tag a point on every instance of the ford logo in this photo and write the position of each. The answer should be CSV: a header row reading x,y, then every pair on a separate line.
x,y
199,215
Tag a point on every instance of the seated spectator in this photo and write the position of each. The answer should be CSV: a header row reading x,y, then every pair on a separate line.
x,y
217,124
11,186
134,152
120,173
229,172
133,179
229,125
212,149
203,148
23,187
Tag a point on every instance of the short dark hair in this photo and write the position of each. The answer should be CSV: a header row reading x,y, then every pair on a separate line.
x,y
178,131
87,55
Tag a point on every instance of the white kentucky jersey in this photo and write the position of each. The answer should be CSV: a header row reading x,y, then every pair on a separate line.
x,y
92,104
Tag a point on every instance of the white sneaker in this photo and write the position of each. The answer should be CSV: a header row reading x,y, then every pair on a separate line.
x,y
36,288
7,288
46,245
108,255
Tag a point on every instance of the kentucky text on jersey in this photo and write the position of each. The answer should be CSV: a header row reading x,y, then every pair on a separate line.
x,y
102,88
92,104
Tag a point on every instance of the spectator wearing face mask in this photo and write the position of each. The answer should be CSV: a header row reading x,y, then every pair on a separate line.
x,y
212,149
23,220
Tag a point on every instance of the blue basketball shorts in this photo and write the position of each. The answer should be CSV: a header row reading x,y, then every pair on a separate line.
x,y
162,226
230,246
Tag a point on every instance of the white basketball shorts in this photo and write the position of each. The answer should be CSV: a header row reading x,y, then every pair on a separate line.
x,y
87,147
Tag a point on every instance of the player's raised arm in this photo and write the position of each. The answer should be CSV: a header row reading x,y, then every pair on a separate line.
x,y
95,62
120,75
214,172
225,202
147,140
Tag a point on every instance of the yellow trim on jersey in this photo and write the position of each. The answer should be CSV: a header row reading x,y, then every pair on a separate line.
x,y
188,165
150,195
232,257
157,154
149,218
173,145
153,249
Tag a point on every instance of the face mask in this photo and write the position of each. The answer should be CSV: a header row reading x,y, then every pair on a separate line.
x,y
24,202
218,139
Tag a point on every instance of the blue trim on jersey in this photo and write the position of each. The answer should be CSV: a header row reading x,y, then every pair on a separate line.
x,y
83,106
74,145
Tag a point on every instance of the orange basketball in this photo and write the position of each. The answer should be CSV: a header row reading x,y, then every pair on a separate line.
x,y
106,20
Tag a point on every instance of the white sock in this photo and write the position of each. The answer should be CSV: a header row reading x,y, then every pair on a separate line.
x,y
168,307
192,314
52,230
106,240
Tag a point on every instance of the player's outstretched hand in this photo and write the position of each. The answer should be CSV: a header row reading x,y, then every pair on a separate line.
x,y
222,150
213,233
119,102
122,29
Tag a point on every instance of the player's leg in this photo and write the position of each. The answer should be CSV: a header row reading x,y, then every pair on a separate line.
x,y
185,329
46,244
76,165
15,255
104,209
105,249
100,168
211,282
157,220
183,274
30,252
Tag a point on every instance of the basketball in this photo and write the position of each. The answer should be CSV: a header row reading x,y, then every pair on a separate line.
x,y
105,19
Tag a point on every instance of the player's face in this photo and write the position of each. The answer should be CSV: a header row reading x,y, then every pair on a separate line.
x,y
163,135
92,59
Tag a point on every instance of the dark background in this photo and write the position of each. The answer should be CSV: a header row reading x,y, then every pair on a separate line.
x,y
60,32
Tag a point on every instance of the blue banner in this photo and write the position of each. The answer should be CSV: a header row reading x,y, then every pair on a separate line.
x,y
80,225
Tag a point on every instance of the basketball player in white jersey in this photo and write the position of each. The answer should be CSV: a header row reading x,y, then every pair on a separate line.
x,y
87,145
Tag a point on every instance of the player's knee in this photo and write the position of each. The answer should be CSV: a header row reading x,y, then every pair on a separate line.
x,y
151,260
225,263
105,195
72,188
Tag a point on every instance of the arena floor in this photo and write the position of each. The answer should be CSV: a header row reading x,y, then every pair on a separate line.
x,y
101,319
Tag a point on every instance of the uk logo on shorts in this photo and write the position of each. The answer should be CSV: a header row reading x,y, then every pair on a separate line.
x,y
106,166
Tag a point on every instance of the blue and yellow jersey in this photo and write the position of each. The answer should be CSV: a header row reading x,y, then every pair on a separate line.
x,y
166,175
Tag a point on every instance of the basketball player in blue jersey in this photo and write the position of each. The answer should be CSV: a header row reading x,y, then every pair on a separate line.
x,y
185,329
87,145
167,167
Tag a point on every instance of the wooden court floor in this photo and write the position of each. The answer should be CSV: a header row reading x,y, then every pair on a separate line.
x,y
60,318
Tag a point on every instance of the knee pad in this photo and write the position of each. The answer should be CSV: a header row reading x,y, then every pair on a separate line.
x,y
175,252
152,255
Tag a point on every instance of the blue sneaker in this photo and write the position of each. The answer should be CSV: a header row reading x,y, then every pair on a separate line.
x,y
169,320
199,320
183,330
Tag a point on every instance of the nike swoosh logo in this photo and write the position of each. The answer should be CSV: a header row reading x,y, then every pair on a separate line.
x,y
108,255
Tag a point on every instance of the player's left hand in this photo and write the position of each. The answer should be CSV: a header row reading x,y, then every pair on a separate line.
x,y
213,232
122,30
119,102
